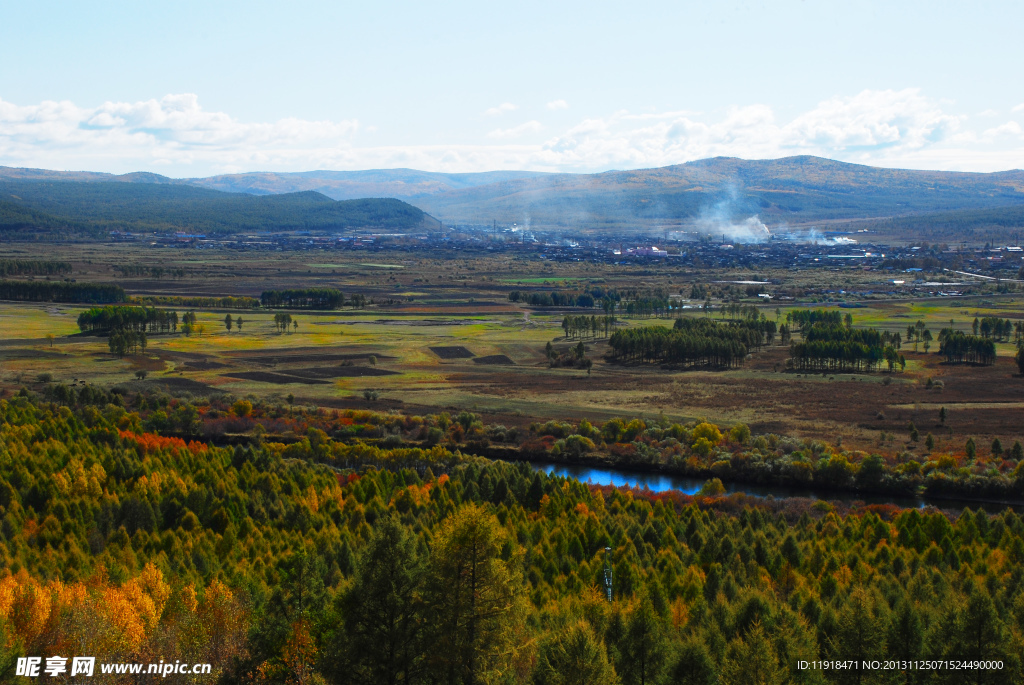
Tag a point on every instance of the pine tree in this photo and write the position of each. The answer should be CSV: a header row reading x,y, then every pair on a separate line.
x,y
382,637
642,649
693,664
752,661
574,656
860,635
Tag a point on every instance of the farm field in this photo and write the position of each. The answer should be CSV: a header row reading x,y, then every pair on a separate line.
x,y
452,356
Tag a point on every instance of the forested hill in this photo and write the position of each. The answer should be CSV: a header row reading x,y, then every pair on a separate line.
x,y
101,206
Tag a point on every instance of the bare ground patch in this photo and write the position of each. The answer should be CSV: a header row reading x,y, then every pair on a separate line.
x,y
275,378
452,352
339,372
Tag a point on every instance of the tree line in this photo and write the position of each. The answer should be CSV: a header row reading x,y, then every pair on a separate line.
x,y
53,291
227,302
304,298
137,319
137,270
427,567
552,299
584,326
804,318
33,267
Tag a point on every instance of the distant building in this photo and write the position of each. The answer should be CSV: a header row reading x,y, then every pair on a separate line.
x,y
647,252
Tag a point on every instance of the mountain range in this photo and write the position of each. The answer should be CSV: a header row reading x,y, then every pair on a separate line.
x,y
793,190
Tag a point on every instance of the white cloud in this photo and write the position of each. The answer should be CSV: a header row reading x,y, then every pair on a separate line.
x,y
176,136
871,124
1010,128
174,130
1019,108
558,104
500,109
516,131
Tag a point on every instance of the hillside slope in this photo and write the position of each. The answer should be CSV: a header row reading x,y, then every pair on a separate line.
x,y
105,206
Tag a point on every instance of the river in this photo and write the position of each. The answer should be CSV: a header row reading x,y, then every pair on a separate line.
x,y
659,482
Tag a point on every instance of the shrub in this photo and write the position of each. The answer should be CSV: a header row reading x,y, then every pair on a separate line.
x,y
702,446
709,432
740,433
711,488
241,408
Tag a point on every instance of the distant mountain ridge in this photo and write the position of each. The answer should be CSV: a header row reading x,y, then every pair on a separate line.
x,y
337,185
795,189
780,191
405,184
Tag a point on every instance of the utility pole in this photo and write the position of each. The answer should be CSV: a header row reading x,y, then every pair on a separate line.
x,y
607,573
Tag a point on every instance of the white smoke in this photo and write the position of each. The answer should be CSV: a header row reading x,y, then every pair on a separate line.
x,y
811,236
750,230
719,222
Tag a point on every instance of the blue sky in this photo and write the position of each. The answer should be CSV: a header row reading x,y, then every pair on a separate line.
x,y
190,88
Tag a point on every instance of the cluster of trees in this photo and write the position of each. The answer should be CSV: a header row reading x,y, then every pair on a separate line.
x,y
304,298
918,333
649,306
839,348
959,348
190,324
33,267
994,327
236,322
53,291
138,319
633,303
693,342
125,341
573,358
587,326
282,322
425,567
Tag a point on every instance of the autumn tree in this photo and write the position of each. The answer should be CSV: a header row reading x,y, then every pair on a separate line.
x,y
475,599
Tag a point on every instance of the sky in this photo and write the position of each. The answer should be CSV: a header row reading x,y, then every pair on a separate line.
x,y
190,89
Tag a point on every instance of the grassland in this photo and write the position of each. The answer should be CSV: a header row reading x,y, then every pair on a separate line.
x,y
463,302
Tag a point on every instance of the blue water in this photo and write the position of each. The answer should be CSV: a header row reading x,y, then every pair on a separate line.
x,y
658,482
